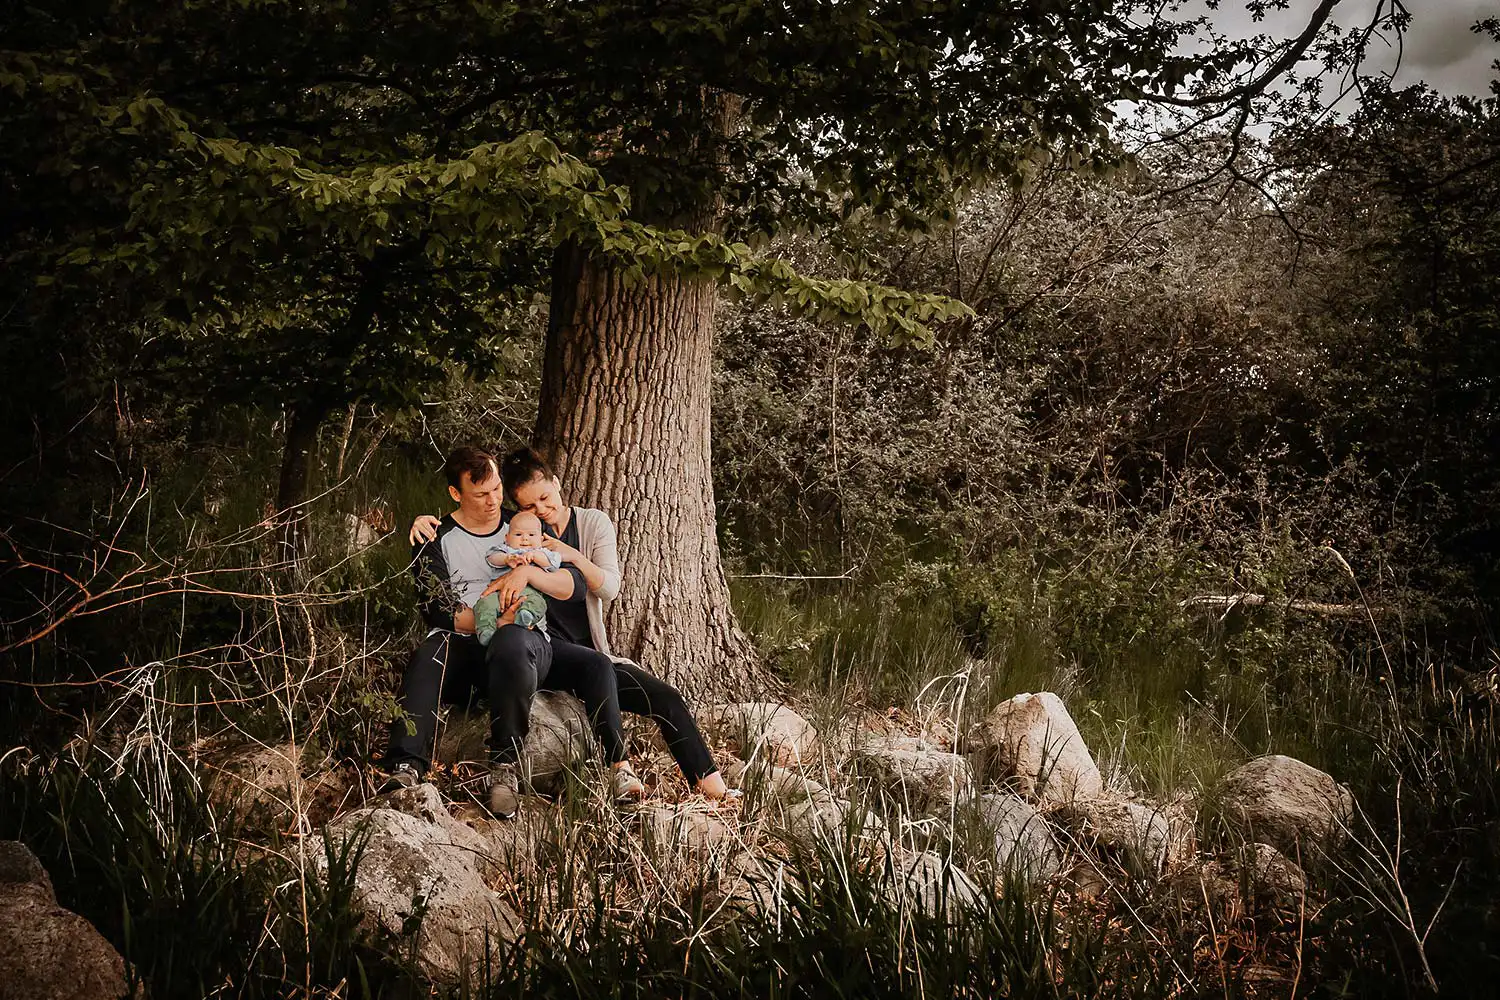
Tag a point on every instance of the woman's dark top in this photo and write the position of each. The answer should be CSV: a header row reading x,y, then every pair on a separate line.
x,y
568,619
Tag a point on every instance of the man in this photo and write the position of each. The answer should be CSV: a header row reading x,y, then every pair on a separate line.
x,y
452,575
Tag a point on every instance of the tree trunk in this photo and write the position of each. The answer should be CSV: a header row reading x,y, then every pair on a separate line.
x,y
625,417
303,424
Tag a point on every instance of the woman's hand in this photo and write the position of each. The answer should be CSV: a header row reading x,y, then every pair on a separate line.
x,y
508,587
562,548
423,529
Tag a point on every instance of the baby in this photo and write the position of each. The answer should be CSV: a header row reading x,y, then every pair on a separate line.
x,y
522,545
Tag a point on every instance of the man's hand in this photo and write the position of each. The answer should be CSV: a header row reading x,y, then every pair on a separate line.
x,y
562,548
508,587
507,614
463,621
423,529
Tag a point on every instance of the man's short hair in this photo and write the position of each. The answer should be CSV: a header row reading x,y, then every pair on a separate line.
x,y
477,462
522,466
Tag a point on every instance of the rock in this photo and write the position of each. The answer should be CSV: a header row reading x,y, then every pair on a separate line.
x,y
260,783
359,534
753,886
515,845
1022,842
762,781
20,869
418,856
47,952
1283,802
759,729
933,885
1032,741
692,830
1249,879
1264,872
829,818
560,735
1146,837
915,772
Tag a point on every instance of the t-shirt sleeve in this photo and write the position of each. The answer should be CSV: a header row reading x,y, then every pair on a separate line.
x,y
435,597
580,586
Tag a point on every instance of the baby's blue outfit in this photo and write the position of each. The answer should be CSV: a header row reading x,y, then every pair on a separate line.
x,y
554,559
533,611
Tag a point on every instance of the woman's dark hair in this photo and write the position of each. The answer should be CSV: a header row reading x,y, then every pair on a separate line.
x,y
522,466
477,462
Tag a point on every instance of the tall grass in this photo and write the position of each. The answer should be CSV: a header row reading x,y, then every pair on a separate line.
x,y
203,905
1168,714
197,903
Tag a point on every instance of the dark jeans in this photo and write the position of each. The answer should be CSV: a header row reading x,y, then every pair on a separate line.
x,y
642,693
449,668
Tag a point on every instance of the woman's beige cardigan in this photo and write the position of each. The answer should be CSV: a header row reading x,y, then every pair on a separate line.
x,y
596,540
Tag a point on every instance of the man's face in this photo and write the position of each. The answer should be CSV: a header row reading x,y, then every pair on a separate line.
x,y
478,501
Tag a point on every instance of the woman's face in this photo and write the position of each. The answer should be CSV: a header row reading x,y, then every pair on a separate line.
x,y
542,497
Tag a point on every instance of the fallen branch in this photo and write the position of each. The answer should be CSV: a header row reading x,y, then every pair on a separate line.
x,y
1229,602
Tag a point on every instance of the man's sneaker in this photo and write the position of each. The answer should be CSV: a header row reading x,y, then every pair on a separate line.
x,y
626,786
504,791
403,775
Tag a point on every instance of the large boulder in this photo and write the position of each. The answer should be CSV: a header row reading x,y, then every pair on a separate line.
x,y
47,952
1252,878
764,730
514,846
754,886
690,831
418,858
1146,838
1283,802
829,819
763,782
932,884
1019,840
266,785
1031,742
560,735
914,772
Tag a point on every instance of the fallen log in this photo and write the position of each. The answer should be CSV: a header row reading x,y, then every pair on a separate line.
x,y
1230,602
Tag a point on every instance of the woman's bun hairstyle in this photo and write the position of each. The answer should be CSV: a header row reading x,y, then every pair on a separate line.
x,y
522,466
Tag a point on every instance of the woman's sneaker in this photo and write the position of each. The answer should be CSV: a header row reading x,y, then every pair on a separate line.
x,y
403,775
626,786
504,791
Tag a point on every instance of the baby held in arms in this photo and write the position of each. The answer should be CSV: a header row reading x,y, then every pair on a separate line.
x,y
522,545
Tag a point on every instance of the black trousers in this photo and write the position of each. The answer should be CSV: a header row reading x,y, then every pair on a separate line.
x,y
450,668
643,693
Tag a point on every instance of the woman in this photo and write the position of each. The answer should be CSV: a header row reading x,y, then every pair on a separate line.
x,y
585,539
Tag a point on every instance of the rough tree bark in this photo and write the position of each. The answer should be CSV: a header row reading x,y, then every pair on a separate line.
x,y
625,415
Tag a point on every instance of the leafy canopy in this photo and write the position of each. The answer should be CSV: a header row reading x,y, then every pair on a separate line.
x,y
326,200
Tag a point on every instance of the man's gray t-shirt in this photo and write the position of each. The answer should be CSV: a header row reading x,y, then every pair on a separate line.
x,y
452,572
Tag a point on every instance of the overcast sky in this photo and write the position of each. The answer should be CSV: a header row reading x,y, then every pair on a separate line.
x,y
1439,48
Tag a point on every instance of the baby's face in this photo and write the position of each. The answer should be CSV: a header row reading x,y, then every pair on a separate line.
x,y
525,532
